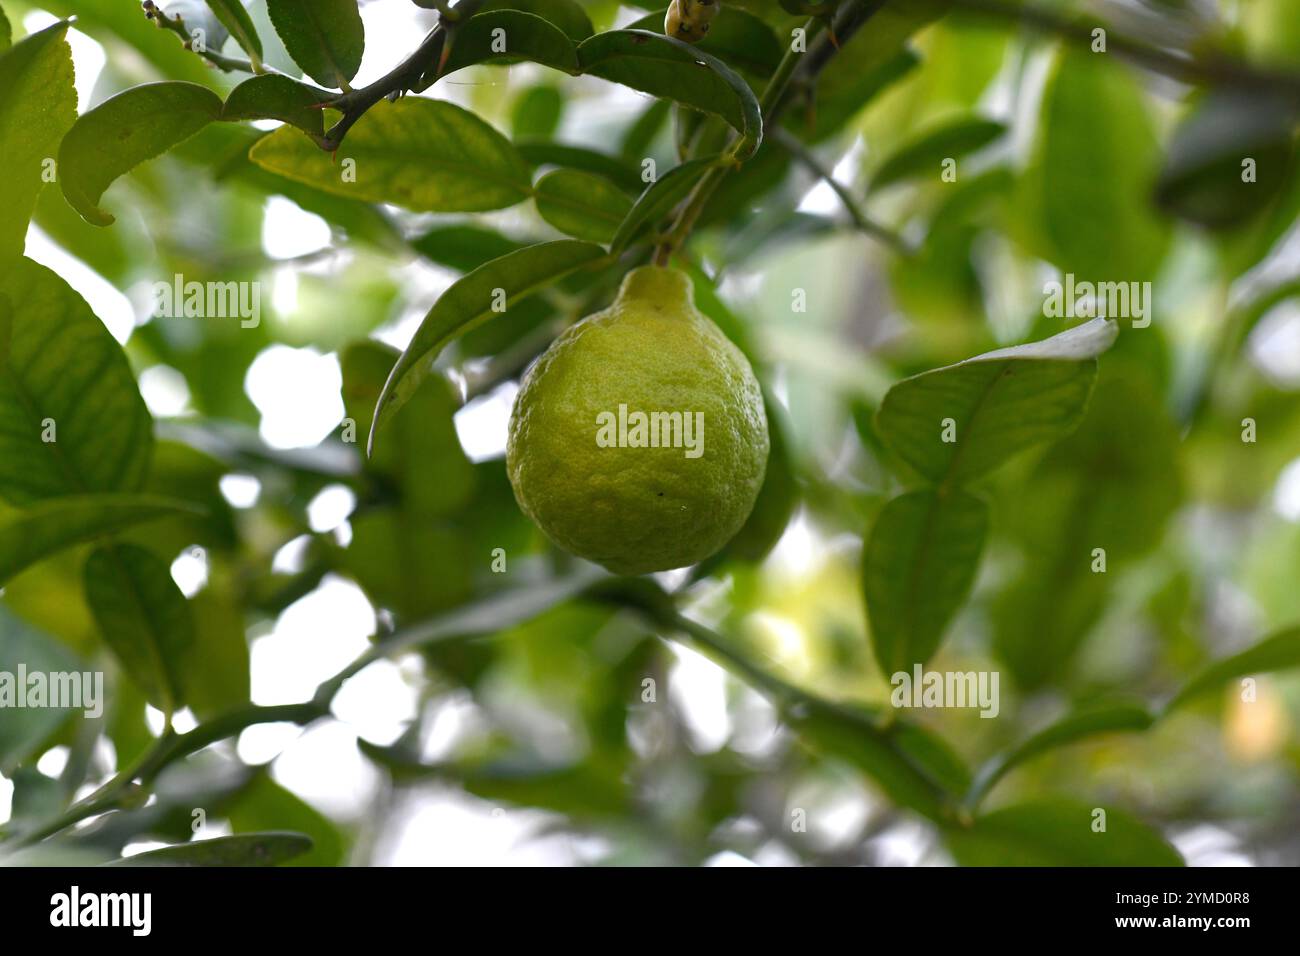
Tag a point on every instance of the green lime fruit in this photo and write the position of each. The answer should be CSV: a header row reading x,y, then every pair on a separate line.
x,y
639,439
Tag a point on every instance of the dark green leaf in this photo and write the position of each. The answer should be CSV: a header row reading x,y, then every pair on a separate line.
x,y
425,155
662,66
325,37
994,405
509,36
581,205
39,106
924,154
618,171
735,36
658,199
1203,180
243,849
568,15
144,619
124,131
235,18
777,497
37,532
6,32
1059,833
463,247
917,569
470,302
1277,652
273,96
71,416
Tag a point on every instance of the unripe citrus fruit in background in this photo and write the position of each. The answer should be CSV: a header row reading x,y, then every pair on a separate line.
x,y
639,439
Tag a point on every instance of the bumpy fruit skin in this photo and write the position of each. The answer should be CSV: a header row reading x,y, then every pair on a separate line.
x,y
639,509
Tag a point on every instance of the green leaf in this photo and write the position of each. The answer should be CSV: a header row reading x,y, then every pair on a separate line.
x,y
425,155
24,728
777,497
71,417
264,804
215,667
662,66
1059,832
144,619
469,302
618,171
581,205
37,532
1087,190
658,199
924,154
1203,180
917,569
39,106
536,113
273,96
735,36
235,18
325,37
568,15
123,132
523,36
463,247
243,849
837,106
6,32
997,404
1280,651
1073,727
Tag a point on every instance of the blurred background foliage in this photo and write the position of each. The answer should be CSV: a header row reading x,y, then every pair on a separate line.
x,y
589,733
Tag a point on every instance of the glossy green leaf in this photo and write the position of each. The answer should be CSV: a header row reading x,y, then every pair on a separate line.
x,y
469,302
509,36
659,199
1073,727
125,131
1204,179
425,155
918,567
235,18
39,105
568,15
1280,651
581,205
34,533
1059,833
325,37
243,849
272,96
662,66
71,416
924,155
735,36
956,423
144,619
